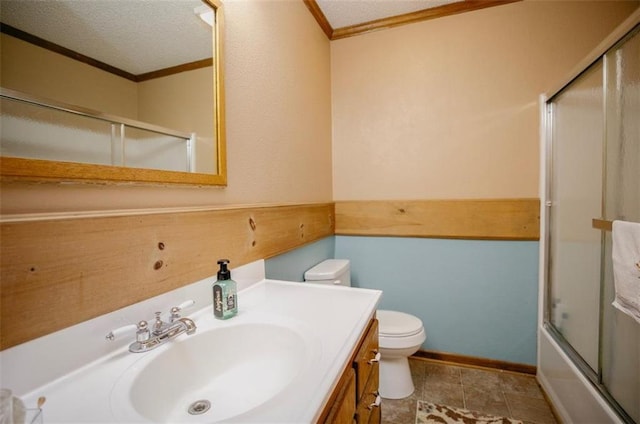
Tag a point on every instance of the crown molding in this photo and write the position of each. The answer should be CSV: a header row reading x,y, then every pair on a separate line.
x,y
408,18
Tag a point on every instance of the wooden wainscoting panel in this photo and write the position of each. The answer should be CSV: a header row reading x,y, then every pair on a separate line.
x,y
59,272
490,219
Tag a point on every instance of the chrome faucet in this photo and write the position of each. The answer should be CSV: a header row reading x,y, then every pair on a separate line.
x,y
162,332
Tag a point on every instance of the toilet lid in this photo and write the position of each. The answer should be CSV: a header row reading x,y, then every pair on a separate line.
x,y
397,324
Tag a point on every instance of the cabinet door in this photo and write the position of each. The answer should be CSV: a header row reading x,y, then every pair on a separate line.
x,y
376,417
342,411
366,360
369,405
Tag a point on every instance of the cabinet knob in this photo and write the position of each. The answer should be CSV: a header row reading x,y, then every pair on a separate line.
x,y
375,358
377,402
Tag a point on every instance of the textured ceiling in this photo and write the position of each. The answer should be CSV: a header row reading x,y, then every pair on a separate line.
x,y
343,13
140,36
133,35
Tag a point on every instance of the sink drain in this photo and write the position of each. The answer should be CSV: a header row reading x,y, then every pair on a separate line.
x,y
199,407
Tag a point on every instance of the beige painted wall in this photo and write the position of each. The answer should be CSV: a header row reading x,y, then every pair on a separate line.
x,y
277,74
448,108
183,102
34,70
445,108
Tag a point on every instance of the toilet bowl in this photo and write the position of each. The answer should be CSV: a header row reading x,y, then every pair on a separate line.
x,y
400,335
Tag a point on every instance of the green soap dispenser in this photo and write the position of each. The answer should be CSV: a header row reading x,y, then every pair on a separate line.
x,y
225,293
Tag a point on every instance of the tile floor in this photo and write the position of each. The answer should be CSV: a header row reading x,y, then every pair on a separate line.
x,y
489,391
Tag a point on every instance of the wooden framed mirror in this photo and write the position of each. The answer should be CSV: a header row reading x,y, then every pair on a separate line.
x,y
36,65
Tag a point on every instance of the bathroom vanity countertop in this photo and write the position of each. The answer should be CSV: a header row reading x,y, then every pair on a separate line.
x,y
328,319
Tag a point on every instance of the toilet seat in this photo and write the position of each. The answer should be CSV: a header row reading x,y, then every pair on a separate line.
x,y
398,324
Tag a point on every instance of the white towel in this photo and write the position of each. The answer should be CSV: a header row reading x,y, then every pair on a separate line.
x,y
626,267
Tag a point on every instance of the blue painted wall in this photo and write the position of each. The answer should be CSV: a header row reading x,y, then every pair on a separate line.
x,y
476,298
291,266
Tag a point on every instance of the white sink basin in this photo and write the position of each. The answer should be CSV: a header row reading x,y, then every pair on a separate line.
x,y
235,368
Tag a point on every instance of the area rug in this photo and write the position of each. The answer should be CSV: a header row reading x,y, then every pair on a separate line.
x,y
431,413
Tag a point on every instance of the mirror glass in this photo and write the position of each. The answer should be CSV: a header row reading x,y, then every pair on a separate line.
x,y
122,90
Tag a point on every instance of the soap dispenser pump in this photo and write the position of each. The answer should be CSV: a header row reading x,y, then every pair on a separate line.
x,y
225,297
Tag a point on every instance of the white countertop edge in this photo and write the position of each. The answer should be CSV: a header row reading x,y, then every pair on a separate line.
x,y
342,365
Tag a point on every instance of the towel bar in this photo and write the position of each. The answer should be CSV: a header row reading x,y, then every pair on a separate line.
x,y
602,224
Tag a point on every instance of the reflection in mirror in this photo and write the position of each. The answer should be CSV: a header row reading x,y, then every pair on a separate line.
x,y
112,90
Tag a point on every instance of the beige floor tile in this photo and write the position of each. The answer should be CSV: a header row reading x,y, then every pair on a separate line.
x,y
486,401
418,374
401,411
442,373
530,409
444,393
480,378
521,384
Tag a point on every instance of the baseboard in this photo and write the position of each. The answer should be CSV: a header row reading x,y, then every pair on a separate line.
x,y
475,361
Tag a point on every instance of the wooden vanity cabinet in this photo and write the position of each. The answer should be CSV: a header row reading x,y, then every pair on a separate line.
x,y
355,399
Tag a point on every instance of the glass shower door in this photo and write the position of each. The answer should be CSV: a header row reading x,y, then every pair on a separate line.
x,y
593,179
621,334
576,193
576,198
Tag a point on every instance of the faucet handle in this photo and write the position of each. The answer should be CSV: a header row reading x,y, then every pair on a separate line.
x,y
143,334
175,311
114,334
186,304
157,326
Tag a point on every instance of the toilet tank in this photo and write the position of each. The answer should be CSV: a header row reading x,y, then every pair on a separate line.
x,y
330,271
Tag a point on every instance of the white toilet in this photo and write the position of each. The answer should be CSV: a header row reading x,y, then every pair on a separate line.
x,y
400,334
